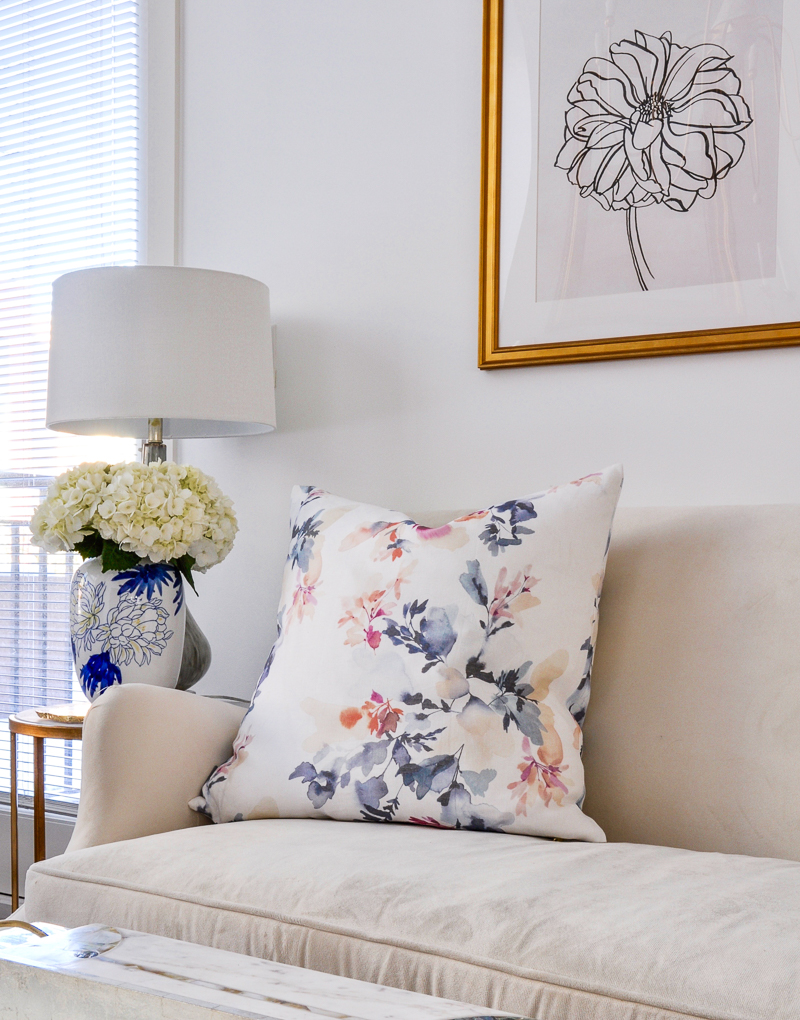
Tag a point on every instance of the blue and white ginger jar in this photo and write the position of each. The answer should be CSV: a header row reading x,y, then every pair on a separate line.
x,y
126,626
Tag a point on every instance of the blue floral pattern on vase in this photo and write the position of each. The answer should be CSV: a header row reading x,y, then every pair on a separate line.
x,y
147,577
126,626
98,674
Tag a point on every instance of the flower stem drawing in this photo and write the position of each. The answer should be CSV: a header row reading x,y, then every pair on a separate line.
x,y
635,244
657,123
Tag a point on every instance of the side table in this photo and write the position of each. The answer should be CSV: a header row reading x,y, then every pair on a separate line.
x,y
29,724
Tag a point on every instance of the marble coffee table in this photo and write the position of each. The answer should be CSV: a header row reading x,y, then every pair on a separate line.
x,y
97,972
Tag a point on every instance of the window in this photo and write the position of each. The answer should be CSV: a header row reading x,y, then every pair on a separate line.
x,y
69,185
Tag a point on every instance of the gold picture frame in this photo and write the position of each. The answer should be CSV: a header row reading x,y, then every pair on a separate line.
x,y
490,353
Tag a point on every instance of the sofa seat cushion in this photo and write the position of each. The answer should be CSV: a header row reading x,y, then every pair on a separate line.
x,y
564,931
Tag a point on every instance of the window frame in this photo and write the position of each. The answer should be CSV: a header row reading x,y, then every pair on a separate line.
x,y
160,244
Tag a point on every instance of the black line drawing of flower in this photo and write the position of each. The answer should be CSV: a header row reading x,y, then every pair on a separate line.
x,y
657,123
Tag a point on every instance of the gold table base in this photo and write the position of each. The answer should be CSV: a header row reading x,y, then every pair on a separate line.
x,y
29,723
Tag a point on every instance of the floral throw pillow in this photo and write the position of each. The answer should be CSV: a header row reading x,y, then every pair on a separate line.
x,y
438,676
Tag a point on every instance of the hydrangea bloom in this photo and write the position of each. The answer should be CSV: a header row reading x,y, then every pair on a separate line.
x,y
64,518
159,512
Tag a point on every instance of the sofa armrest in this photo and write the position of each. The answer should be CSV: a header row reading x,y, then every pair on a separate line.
x,y
146,753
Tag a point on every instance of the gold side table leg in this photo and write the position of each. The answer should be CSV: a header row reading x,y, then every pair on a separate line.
x,y
14,829
39,853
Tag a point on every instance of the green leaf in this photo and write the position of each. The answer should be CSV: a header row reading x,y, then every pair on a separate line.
x,y
90,546
184,566
115,558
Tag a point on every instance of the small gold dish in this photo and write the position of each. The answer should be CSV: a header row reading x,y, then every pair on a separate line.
x,y
72,713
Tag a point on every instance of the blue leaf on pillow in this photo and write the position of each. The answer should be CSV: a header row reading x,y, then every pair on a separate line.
x,y
525,714
460,813
505,525
322,789
435,774
400,754
310,492
371,793
514,703
474,583
385,813
578,701
321,785
368,756
422,741
476,670
438,636
432,636
478,782
302,544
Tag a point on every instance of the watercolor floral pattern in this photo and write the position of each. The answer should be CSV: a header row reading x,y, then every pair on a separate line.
x,y
458,713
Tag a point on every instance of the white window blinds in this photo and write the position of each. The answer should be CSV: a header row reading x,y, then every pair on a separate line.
x,y
69,141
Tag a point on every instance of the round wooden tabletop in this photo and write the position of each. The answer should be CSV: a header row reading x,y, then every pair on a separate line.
x,y
29,724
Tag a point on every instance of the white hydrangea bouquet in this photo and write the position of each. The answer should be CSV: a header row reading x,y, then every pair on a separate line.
x,y
128,513
141,530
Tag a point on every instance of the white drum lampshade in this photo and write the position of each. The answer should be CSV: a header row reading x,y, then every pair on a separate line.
x,y
192,347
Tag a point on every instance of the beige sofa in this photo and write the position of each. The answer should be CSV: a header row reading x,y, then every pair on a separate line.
x,y
693,769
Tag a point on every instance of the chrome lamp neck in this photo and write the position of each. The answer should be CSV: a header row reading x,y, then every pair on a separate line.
x,y
153,449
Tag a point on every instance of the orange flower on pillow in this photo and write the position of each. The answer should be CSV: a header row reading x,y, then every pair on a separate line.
x,y
383,716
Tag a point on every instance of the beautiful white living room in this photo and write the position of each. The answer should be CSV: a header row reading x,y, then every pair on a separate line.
x,y
379,379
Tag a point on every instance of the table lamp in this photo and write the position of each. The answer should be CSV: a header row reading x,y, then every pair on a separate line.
x,y
160,352
151,352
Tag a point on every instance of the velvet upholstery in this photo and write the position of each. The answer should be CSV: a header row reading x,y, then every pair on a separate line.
x,y
692,740
555,930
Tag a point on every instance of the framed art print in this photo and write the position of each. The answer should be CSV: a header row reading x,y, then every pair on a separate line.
x,y
641,178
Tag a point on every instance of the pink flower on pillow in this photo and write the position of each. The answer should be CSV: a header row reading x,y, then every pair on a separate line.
x,y
512,597
538,778
303,601
361,613
429,533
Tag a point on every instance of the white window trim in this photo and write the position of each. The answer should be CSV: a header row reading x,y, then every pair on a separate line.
x,y
160,232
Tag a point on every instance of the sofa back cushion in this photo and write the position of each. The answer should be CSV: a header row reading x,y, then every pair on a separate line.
x,y
436,676
693,738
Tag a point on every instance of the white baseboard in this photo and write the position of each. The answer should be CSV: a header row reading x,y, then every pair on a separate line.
x,y
58,830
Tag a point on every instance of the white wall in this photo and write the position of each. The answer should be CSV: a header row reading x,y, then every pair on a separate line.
x,y
331,149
